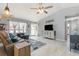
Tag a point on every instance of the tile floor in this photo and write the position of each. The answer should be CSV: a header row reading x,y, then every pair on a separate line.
x,y
53,48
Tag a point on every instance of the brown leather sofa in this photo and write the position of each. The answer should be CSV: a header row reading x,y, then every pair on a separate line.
x,y
8,47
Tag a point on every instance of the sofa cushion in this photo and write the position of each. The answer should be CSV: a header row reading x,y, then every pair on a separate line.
x,y
23,35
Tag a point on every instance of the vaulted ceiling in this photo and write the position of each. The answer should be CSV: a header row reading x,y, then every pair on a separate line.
x,y
22,10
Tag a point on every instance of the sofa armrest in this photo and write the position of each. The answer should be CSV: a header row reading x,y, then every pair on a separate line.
x,y
10,45
10,49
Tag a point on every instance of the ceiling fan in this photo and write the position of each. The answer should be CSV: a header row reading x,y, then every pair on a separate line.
x,y
41,8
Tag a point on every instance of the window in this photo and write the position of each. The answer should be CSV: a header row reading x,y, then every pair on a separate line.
x,y
17,27
22,27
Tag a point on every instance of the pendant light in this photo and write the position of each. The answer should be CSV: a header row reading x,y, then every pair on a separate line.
x,y
6,11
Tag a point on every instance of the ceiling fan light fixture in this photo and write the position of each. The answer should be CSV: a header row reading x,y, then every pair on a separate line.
x,y
41,8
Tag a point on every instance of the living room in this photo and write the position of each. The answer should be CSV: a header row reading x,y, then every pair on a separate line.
x,y
38,29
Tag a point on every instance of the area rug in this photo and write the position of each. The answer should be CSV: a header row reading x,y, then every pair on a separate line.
x,y
36,44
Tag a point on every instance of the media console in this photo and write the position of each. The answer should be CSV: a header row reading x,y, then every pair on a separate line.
x,y
49,29
50,34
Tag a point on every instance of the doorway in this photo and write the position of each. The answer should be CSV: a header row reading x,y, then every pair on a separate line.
x,y
34,29
71,26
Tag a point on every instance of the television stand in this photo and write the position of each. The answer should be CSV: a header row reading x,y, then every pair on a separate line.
x,y
50,34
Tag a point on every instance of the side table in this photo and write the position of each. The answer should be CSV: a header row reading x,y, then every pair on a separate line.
x,y
22,49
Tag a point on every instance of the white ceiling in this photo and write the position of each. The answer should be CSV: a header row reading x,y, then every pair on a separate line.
x,y
22,10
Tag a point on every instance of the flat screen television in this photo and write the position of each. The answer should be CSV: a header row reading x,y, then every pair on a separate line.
x,y
48,27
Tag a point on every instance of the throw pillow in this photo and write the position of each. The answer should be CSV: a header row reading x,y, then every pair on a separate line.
x,y
13,37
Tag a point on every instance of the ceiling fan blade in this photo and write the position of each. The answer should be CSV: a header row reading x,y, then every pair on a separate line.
x,y
33,8
48,7
45,11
